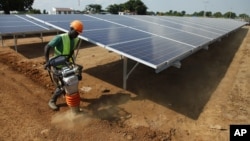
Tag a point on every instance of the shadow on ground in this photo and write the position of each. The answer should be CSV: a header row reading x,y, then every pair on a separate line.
x,y
31,51
35,50
185,90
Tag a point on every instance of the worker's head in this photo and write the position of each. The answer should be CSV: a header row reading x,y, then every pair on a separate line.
x,y
76,28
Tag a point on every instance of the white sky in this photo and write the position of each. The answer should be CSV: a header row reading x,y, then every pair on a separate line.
x,y
190,6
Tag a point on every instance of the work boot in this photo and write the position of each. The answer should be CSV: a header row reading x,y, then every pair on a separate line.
x,y
52,102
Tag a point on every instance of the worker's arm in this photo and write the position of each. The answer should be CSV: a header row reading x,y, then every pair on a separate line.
x,y
46,52
56,41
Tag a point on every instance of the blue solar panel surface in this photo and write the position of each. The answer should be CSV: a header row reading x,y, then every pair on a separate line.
x,y
155,41
12,24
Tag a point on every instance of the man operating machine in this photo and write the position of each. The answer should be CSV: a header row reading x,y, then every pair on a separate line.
x,y
63,71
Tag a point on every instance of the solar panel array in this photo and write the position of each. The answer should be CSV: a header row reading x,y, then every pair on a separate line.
x,y
155,41
14,24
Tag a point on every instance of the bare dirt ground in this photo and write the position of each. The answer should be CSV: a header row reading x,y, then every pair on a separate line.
x,y
197,102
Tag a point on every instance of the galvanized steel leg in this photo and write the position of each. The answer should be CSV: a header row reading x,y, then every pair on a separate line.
x,y
15,42
125,74
125,63
1,37
41,36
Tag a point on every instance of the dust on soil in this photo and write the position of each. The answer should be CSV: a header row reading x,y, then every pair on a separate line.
x,y
197,102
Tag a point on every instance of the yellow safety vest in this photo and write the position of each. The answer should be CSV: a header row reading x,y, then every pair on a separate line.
x,y
66,45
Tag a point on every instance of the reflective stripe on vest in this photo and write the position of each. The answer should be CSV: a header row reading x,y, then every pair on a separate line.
x,y
66,45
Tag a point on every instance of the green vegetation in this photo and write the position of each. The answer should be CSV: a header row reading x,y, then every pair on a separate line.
x,y
15,5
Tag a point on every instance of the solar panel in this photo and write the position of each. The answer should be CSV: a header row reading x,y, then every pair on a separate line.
x,y
212,23
151,40
156,41
157,29
13,24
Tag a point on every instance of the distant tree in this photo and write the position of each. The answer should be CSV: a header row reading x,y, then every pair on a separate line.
x,y
230,14
45,12
244,16
35,11
201,13
195,14
136,6
93,8
170,12
18,5
175,13
166,13
183,13
217,14
209,14
115,8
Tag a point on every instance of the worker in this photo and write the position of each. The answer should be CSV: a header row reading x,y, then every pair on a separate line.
x,y
63,44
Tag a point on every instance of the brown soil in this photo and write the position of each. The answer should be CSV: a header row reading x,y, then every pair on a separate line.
x,y
197,102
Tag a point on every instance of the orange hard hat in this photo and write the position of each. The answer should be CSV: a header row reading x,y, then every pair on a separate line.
x,y
77,25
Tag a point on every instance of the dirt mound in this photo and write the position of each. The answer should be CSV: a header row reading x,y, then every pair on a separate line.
x,y
197,102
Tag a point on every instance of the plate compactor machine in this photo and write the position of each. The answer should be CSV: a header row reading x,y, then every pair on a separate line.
x,y
65,74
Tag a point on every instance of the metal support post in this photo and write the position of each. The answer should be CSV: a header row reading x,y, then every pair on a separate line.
x,y
125,61
125,74
41,36
1,37
15,42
